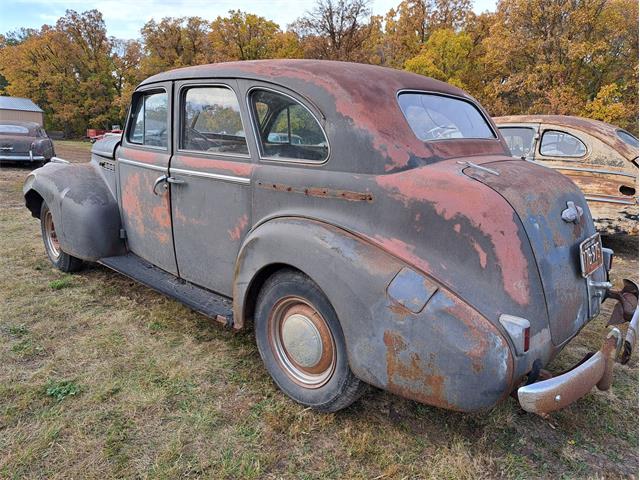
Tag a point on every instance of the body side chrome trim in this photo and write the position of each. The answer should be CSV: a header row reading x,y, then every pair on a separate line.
x,y
212,176
592,170
142,165
608,199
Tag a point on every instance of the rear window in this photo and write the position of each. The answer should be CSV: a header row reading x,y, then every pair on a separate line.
x,y
14,130
627,138
437,117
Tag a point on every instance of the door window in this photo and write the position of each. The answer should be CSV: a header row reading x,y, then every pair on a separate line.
x,y
149,126
520,140
561,144
211,121
287,129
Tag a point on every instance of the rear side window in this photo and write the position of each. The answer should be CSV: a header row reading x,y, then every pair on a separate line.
x,y
520,140
627,138
555,143
286,128
437,117
211,121
149,126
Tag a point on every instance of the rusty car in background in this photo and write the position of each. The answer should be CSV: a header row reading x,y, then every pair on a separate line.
x,y
600,158
24,142
368,224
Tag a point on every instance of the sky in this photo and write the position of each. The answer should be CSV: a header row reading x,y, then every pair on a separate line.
x,y
125,18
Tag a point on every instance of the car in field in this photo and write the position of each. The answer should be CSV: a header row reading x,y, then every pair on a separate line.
x,y
398,244
24,142
598,157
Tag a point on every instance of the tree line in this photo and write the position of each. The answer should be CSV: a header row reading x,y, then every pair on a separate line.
x,y
567,57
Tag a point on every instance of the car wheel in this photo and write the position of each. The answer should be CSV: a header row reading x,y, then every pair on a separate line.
x,y
61,260
302,345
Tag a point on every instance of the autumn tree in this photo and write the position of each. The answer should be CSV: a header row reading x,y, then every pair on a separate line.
x,y
67,69
335,30
556,56
245,36
175,42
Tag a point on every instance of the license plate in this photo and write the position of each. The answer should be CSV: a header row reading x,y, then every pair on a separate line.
x,y
591,255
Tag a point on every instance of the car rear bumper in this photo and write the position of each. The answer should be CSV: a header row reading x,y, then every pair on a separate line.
x,y
596,369
22,158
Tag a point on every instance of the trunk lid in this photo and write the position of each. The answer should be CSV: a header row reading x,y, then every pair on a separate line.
x,y
539,195
15,144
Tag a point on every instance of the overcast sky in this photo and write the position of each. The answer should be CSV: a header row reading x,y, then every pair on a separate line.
x,y
125,18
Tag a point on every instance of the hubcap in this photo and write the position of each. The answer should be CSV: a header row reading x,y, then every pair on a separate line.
x,y
50,236
302,342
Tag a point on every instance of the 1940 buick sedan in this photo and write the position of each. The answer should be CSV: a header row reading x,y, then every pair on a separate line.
x,y
369,224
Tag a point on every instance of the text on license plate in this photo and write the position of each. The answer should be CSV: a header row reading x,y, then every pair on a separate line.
x,y
590,255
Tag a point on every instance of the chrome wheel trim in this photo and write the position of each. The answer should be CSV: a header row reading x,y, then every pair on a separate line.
x,y
50,237
302,342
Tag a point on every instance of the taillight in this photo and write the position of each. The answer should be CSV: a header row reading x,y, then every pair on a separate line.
x,y
526,339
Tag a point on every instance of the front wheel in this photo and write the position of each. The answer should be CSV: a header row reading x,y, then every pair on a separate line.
x,y
302,345
61,260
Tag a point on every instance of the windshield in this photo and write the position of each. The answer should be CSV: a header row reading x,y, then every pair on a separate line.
x,y
627,138
437,117
14,130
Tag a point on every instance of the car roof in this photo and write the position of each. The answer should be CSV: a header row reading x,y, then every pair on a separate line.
x,y
356,102
326,74
29,125
604,132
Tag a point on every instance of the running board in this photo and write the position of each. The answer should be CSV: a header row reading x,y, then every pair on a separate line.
x,y
199,299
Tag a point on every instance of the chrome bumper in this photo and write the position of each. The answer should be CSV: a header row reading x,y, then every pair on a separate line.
x,y
22,158
596,369
558,392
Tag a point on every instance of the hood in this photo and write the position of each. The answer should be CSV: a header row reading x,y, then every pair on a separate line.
x,y
539,195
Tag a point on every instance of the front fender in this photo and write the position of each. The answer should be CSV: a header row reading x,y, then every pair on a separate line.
x,y
84,210
404,332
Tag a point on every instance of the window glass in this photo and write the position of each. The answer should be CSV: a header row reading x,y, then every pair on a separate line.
x,y
211,121
561,144
437,117
627,138
520,140
14,130
150,120
287,129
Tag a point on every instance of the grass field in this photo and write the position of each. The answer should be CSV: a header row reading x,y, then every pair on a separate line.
x,y
103,378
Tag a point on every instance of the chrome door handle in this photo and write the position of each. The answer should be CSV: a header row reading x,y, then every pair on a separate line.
x,y
175,181
160,180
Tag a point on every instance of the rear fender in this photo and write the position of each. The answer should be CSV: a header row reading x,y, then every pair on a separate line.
x,y
84,210
404,332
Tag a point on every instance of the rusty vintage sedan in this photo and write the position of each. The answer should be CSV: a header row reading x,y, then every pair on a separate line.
x,y
368,224
24,142
600,158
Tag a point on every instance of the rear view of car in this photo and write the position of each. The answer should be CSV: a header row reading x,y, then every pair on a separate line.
x,y
24,142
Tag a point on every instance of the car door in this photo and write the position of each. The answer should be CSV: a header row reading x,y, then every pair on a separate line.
x,y
142,163
210,191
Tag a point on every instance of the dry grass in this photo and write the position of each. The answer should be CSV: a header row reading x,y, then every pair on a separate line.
x,y
103,378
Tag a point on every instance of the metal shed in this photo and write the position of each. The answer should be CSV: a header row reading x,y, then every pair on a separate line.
x,y
21,110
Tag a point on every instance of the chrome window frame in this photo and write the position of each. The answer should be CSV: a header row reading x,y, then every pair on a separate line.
x,y
575,158
256,128
473,103
181,98
149,91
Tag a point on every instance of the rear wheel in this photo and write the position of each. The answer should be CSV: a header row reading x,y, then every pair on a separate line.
x,y
61,260
302,345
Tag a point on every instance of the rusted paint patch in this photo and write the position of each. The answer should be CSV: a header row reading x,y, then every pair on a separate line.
x,y
236,232
454,199
319,192
239,168
402,374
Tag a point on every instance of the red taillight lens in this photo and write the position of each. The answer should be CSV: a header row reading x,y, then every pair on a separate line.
x,y
526,339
